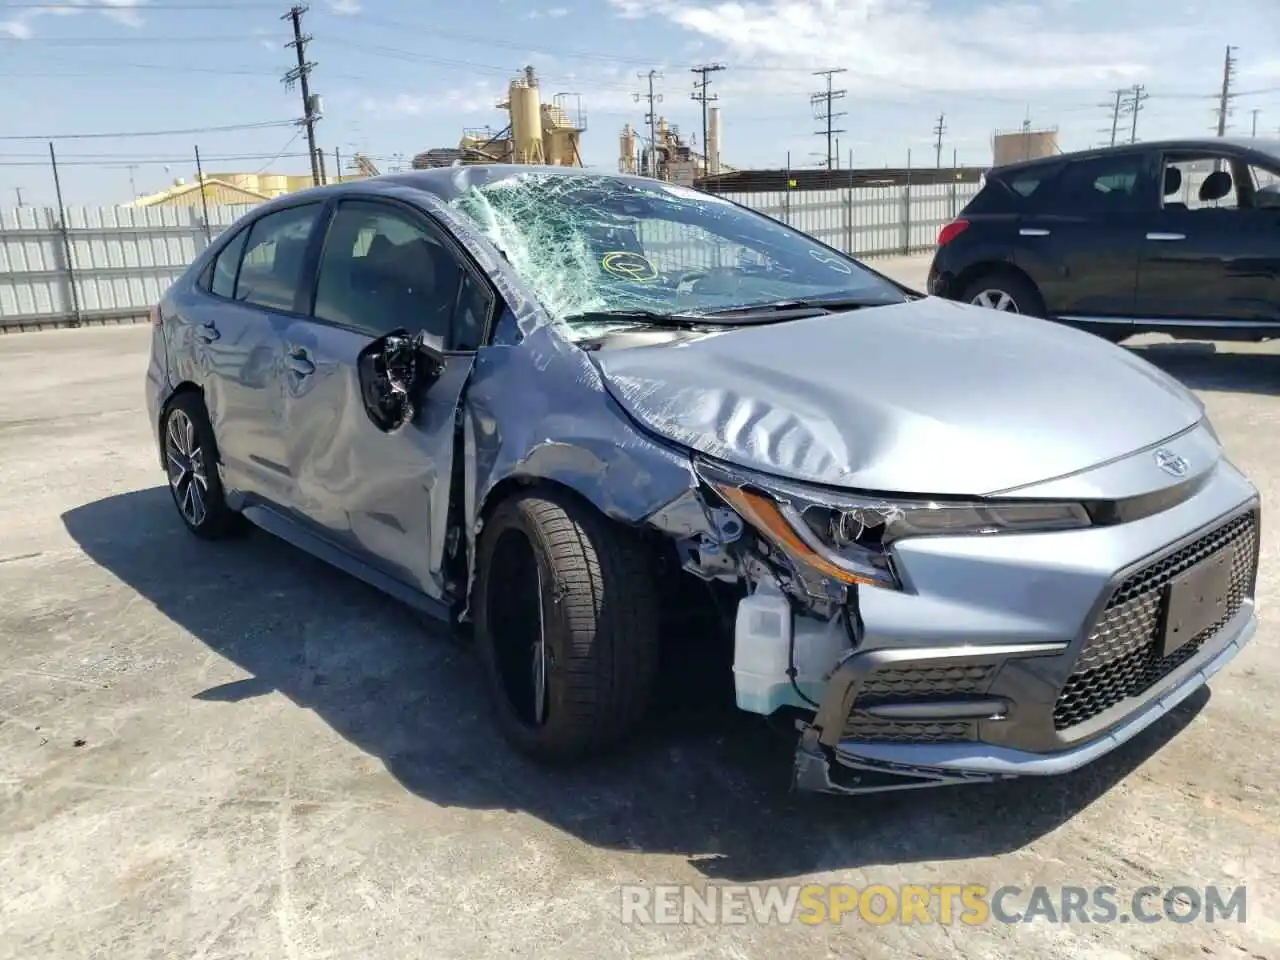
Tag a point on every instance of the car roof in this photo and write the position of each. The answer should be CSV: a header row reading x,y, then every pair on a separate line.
x,y
1239,144
448,182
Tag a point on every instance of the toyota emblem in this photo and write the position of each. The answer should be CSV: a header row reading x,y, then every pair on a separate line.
x,y
1171,463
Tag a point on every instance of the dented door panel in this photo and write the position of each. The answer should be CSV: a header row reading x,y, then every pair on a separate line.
x,y
382,496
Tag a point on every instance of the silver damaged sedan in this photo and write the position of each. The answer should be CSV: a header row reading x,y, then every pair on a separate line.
x,y
589,419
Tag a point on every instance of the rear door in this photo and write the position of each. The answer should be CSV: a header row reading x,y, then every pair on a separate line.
x,y
381,497
237,328
1213,255
1081,239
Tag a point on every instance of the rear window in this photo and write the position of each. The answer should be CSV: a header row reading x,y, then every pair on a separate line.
x,y
1011,189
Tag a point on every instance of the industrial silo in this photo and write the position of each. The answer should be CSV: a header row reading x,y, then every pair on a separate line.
x,y
526,118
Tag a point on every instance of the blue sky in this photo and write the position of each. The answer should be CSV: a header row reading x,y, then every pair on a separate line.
x,y
399,76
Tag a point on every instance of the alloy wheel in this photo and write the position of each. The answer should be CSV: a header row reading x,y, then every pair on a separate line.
x,y
996,300
184,460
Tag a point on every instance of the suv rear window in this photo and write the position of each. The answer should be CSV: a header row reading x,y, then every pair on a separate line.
x,y
1008,190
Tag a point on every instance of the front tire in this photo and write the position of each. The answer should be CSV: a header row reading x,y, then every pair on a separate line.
x,y
567,625
191,464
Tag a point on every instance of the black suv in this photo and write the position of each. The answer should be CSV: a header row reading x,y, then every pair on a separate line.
x,y
1179,237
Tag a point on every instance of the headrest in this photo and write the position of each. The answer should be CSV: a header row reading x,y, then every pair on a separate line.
x,y
1216,186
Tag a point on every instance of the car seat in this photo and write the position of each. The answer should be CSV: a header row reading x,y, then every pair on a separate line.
x,y
1173,184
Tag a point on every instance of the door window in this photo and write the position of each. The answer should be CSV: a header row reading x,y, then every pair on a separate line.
x,y
383,271
1103,185
271,271
222,282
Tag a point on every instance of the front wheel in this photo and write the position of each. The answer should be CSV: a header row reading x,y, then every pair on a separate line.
x,y
566,625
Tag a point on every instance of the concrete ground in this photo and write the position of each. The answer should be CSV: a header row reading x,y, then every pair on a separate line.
x,y
230,750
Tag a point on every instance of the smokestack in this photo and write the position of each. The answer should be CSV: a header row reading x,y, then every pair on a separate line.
x,y
712,146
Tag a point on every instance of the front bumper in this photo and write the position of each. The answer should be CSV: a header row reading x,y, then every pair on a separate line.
x,y
1013,691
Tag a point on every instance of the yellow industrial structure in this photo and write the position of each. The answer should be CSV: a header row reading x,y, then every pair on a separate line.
x,y
537,132
669,157
216,191
1024,144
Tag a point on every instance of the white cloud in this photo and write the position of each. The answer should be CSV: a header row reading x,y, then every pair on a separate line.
x,y
480,97
345,8
121,11
556,12
894,44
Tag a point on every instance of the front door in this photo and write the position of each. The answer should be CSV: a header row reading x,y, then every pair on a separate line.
x,y
1213,254
381,496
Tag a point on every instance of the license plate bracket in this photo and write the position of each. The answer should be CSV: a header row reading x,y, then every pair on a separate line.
x,y
1196,599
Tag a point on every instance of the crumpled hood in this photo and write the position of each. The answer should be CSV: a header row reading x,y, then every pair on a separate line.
x,y
926,397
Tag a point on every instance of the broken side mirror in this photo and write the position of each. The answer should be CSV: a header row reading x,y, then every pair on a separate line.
x,y
395,372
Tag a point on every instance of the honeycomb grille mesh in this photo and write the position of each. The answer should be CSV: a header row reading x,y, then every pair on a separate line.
x,y
919,684
1119,658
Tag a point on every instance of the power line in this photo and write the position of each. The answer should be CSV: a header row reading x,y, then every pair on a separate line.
x,y
827,98
1226,96
261,125
300,75
651,118
700,95
938,130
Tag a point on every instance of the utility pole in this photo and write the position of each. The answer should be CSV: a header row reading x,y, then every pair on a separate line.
x,y
1255,122
700,96
826,98
18,191
1225,98
651,118
133,189
1133,106
1115,113
300,75
939,129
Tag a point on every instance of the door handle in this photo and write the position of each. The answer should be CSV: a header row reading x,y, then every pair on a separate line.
x,y
1033,232
300,365
207,333
1166,236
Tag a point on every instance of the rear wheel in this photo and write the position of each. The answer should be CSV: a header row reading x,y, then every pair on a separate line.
x,y
1004,291
566,625
191,462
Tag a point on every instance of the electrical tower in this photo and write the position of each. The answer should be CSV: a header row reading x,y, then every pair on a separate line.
x,y
300,75
1225,98
939,129
822,102
700,95
651,117
1134,98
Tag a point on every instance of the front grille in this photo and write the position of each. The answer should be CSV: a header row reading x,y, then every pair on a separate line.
x,y
1119,658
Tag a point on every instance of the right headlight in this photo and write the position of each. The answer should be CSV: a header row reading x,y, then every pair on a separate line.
x,y
847,535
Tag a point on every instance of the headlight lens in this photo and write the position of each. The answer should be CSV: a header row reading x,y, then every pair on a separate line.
x,y
847,536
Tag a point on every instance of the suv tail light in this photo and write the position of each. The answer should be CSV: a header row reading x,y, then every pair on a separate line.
x,y
951,231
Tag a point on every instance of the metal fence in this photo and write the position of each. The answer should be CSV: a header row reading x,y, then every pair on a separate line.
x,y
110,264
866,221
96,264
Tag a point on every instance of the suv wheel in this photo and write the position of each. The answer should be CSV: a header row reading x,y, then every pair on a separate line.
x,y
566,625
191,461
1007,292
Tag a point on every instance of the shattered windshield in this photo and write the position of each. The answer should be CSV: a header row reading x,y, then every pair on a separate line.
x,y
591,244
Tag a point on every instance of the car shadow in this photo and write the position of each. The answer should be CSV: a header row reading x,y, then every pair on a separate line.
x,y
704,781
1215,366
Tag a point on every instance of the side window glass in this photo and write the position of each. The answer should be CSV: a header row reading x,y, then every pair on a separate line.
x,y
273,259
1103,185
223,281
1199,183
382,271
475,305
1266,187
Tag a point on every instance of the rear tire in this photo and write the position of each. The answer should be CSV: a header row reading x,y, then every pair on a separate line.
x,y
567,625
191,464
1005,291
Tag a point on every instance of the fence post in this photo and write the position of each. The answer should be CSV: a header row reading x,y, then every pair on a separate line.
x,y
848,218
67,252
906,209
786,202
